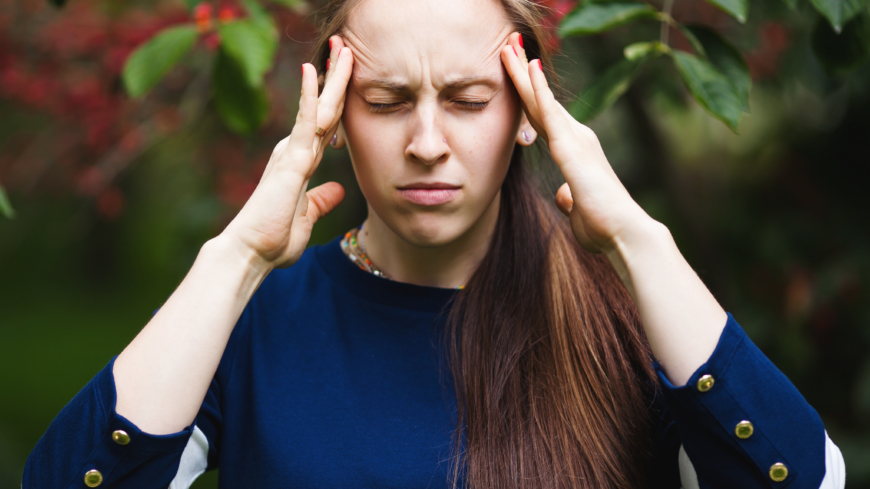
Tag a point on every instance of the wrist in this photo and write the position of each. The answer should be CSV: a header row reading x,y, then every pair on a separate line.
x,y
232,252
647,240
641,239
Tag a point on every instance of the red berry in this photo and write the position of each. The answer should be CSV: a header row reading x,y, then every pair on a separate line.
x,y
226,14
203,11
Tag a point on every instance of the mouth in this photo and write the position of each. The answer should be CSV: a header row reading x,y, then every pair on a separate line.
x,y
429,193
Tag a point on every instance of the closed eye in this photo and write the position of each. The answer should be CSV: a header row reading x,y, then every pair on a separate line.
x,y
464,104
391,107
384,107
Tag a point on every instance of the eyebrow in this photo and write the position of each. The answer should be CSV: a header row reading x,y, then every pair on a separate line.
x,y
399,87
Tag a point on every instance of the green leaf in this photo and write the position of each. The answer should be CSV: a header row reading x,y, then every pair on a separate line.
x,y
842,52
593,18
734,8
251,45
838,12
191,4
725,57
259,15
6,206
241,106
290,3
642,49
710,87
603,92
147,65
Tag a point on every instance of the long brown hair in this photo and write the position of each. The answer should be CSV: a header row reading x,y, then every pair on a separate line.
x,y
549,362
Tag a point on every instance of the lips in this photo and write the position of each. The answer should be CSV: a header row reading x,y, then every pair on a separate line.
x,y
429,193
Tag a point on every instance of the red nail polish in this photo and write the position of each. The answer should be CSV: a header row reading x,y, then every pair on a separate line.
x,y
330,44
515,51
540,66
303,71
327,65
521,40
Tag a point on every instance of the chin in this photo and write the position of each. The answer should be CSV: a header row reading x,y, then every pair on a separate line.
x,y
429,229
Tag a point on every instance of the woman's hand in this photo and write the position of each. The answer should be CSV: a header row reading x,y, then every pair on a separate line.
x,y
275,223
601,211
681,318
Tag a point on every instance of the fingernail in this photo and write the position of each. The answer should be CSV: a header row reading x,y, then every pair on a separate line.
x,y
330,44
303,70
526,136
515,51
521,40
327,65
334,139
540,66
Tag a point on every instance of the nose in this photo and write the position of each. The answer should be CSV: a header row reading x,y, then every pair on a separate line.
x,y
428,141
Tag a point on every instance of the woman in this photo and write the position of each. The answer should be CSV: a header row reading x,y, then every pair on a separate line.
x,y
334,373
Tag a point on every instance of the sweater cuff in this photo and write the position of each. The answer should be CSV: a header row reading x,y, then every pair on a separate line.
x,y
743,422
122,446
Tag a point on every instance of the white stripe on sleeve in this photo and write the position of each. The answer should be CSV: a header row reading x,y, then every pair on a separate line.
x,y
688,476
194,460
835,467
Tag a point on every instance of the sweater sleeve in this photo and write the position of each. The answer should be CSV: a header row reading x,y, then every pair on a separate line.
x,y
741,423
90,445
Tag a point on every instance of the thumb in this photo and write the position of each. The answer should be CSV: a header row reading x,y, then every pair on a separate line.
x,y
323,199
564,201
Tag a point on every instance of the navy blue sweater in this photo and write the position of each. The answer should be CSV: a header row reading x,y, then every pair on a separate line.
x,y
335,378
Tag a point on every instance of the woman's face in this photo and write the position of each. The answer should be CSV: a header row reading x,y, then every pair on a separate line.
x,y
431,117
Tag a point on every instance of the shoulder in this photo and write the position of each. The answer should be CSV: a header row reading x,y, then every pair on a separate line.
x,y
281,307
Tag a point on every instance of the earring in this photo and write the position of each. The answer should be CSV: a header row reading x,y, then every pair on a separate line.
x,y
334,139
527,136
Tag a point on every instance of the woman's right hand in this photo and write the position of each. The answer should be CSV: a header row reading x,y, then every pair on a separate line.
x,y
275,224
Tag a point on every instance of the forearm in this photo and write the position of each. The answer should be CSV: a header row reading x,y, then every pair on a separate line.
x,y
162,376
682,319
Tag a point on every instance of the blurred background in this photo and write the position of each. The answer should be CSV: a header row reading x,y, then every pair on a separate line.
x,y
110,197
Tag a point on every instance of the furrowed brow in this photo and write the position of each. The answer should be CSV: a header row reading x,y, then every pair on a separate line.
x,y
398,87
390,85
472,80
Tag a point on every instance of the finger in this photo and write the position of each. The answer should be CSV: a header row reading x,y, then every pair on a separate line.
x,y
302,136
332,97
517,41
550,109
323,199
564,200
518,71
335,45
330,135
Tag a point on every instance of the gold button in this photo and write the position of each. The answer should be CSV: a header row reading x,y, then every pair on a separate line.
x,y
93,478
705,383
121,437
778,472
744,429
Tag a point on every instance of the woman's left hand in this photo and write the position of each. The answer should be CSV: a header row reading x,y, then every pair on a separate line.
x,y
682,319
602,213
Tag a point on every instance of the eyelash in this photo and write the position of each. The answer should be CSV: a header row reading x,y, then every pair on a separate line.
x,y
377,108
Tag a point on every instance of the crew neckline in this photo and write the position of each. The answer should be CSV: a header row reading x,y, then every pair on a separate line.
x,y
383,291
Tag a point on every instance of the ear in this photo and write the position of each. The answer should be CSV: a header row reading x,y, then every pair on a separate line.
x,y
339,137
525,134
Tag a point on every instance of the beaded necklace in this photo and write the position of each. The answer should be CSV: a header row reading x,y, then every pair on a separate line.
x,y
353,246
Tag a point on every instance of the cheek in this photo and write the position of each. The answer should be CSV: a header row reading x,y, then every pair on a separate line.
x,y
484,142
373,144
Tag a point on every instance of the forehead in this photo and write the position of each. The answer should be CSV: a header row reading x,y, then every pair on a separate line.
x,y
419,41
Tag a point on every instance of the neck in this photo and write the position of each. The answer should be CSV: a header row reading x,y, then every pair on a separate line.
x,y
448,265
